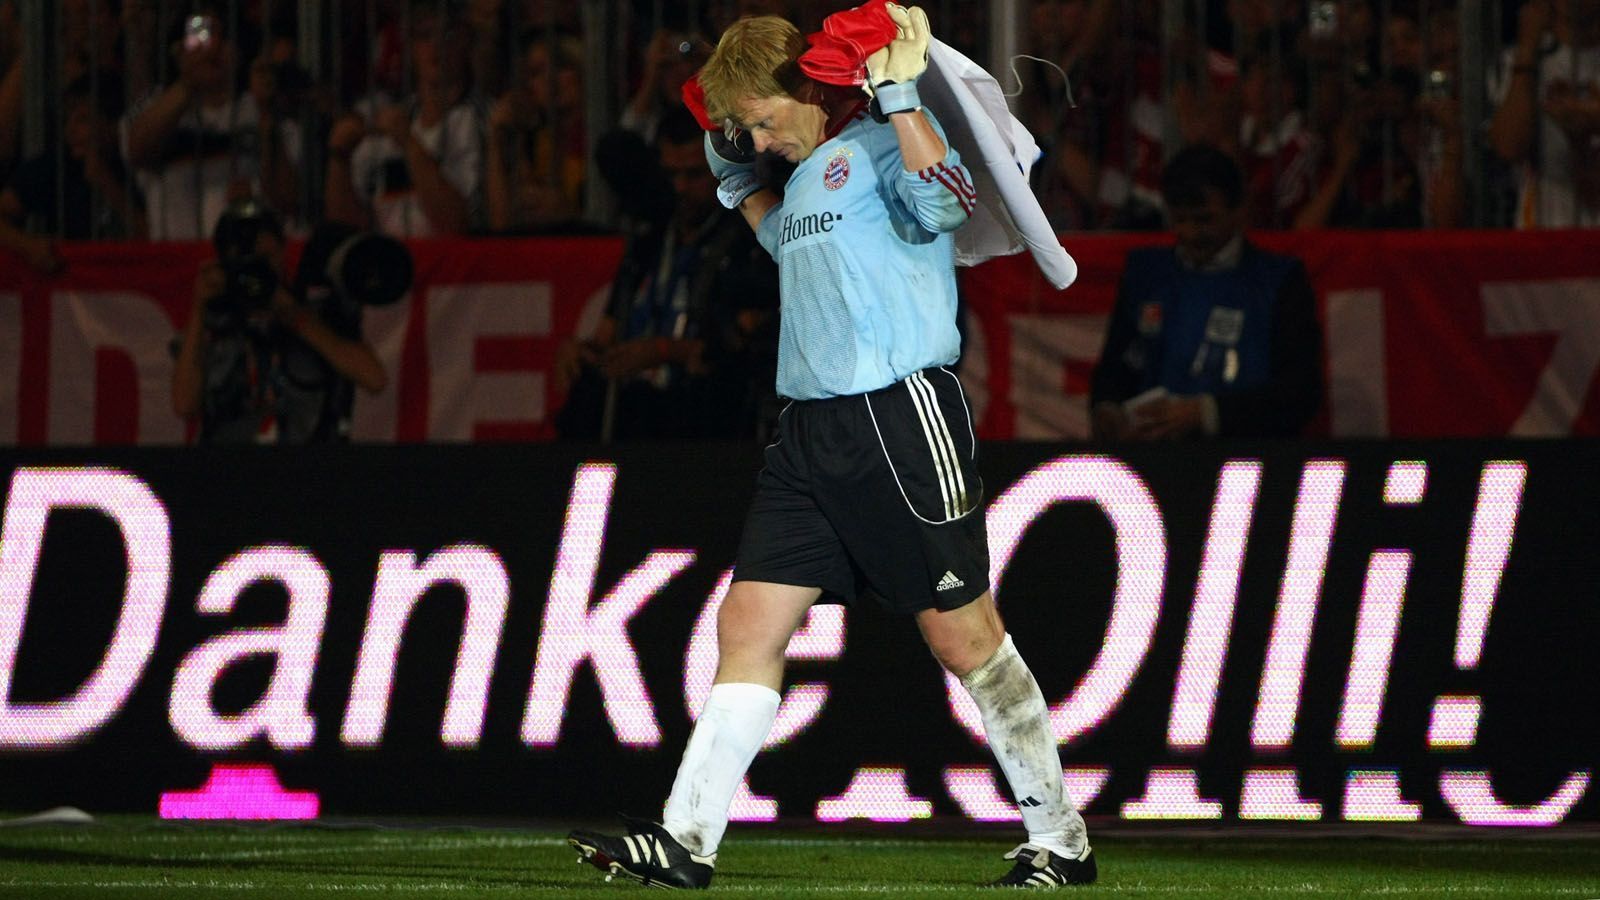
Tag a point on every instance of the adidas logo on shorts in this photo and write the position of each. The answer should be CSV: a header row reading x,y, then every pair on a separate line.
x,y
950,582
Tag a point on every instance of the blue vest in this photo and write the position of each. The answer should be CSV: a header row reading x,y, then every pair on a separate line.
x,y
1202,332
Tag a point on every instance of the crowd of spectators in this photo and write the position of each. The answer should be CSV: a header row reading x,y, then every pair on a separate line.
x,y
469,116
418,118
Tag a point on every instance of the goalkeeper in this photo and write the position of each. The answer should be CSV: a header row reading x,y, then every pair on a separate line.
x,y
872,485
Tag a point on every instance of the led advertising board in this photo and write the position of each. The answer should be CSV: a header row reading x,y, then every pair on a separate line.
x,y
1283,632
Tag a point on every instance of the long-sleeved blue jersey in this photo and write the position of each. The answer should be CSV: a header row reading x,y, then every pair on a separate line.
x,y
866,262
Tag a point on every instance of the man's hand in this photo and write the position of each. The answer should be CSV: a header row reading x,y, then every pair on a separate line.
x,y
658,54
892,72
1107,422
190,62
571,356
1574,109
734,166
1167,418
289,313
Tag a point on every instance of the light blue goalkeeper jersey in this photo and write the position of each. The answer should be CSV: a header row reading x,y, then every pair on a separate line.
x,y
866,261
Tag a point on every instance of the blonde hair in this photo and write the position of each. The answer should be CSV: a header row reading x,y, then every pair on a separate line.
x,y
756,57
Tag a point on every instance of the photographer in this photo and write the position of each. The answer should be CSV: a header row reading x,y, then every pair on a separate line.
x,y
261,363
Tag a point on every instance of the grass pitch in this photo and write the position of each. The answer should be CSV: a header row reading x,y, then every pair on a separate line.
x,y
140,857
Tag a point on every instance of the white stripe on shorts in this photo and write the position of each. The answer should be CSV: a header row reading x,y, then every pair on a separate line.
x,y
952,456
946,484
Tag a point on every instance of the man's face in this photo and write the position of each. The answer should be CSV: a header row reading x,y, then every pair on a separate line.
x,y
536,79
438,47
782,125
696,188
1204,229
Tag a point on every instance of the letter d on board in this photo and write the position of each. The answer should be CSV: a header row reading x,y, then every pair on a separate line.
x,y
126,500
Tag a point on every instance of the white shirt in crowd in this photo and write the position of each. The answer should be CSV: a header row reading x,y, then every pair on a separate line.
x,y
213,146
1545,194
381,179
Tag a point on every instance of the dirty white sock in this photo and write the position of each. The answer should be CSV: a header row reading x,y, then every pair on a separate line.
x,y
726,738
1017,722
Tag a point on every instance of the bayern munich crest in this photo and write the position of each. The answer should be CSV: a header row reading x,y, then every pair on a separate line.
x,y
836,173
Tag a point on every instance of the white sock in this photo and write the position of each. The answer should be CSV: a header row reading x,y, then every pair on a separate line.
x,y
1017,722
726,738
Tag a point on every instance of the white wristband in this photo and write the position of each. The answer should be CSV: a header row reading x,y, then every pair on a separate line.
x,y
896,97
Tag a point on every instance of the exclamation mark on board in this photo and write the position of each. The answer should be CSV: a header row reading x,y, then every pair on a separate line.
x,y
1470,793
1494,520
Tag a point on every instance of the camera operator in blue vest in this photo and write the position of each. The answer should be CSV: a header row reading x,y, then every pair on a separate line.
x,y
1212,336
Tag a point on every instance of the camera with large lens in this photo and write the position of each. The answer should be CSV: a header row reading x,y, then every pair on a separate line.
x,y
249,275
361,268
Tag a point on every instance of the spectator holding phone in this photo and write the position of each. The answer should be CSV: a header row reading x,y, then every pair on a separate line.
x,y
198,144
672,56
537,144
412,169
1547,120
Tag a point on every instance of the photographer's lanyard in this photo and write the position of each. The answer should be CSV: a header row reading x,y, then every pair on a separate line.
x,y
661,305
663,310
263,400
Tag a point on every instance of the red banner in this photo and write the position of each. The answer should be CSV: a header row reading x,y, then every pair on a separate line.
x,y
1428,334
468,352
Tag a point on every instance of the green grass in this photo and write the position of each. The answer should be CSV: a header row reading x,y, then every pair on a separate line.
x,y
129,857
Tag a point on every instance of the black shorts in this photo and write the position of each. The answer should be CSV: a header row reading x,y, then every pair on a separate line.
x,y
878,491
